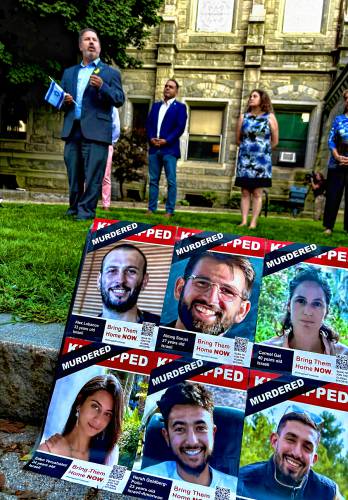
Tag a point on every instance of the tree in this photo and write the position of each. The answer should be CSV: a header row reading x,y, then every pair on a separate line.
x,y
130,157
331,435
39,38
256,446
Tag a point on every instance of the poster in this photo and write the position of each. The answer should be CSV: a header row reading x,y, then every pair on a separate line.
x,y
85,415
190,330
211,300
295,441
120,291
303,316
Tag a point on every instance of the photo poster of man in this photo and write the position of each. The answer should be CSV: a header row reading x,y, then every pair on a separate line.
x,y
193,420
302,325
295,439
211,301
93,422
121,285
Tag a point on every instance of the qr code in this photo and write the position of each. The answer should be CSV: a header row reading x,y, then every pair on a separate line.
x,y
240,344
147,332
342,362
118,471
222,493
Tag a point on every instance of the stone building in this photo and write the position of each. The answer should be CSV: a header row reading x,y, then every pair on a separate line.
x,y
218,51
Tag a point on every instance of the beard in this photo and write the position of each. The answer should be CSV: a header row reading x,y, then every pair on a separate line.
x,y
185,314
119,305
283,476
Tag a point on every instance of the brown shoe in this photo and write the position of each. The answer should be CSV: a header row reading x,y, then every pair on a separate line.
x,y
149,212
328,232
106,208
167,215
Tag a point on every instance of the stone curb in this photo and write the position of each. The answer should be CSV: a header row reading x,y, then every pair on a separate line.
x,y
28,354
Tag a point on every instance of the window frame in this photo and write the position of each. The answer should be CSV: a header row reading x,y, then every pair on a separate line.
x,y
225,106
320,33
127,111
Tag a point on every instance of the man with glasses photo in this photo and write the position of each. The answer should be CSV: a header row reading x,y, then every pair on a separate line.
x,y
288,473
213,293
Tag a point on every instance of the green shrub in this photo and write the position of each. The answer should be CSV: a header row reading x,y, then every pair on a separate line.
x,y
211,197
184,203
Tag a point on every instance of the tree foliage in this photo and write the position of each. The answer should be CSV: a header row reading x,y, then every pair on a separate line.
x,y
39,38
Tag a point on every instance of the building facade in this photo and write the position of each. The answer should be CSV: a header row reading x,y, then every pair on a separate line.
x,y
218,51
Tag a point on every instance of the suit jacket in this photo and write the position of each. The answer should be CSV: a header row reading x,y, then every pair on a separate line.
x,y
97,104
172,127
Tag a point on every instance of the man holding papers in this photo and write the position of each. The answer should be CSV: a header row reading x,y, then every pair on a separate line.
x,y
92,89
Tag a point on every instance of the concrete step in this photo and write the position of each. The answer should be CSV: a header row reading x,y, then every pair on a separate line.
x,y
28,354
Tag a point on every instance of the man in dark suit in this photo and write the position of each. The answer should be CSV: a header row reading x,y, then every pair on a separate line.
x,y
91,88
165,124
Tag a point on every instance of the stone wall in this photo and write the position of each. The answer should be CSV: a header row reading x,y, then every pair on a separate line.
x,y
297,69
37,163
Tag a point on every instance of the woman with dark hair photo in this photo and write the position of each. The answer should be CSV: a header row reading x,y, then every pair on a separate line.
x,y
93,427
256,135
303,326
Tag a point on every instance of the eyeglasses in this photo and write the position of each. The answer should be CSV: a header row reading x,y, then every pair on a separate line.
x,y
316,419
204,285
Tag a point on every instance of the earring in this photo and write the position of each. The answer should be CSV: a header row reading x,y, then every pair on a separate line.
x,y
77,414
288,331
323,333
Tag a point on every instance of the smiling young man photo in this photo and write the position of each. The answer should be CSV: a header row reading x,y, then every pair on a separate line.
x,y
213,293
288,473
189,432
123,275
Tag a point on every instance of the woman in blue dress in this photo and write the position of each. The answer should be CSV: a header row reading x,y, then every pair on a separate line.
x,y
256,135
337,172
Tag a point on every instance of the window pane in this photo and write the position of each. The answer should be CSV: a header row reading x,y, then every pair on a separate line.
x,y
206,121
215,15
303,16
140,112
204,148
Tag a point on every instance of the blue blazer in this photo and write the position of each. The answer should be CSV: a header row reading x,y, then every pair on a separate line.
x,y
97,104
172,127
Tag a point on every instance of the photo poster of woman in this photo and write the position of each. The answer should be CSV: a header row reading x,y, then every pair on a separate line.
x,y
295,439
302,325
120,289
93,422
194,414
211,300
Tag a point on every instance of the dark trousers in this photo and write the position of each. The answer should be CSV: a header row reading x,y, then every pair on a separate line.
x,y
337,182
85,162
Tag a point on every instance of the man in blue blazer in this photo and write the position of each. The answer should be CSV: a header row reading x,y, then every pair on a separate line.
x,y
165,124
91,88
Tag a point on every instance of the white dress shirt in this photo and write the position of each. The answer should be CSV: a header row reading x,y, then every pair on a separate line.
x,y
162,111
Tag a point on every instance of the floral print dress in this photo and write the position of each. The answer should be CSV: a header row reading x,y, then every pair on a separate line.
x,y
254,167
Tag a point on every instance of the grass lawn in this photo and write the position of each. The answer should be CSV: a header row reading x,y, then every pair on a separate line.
x,y
40,250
